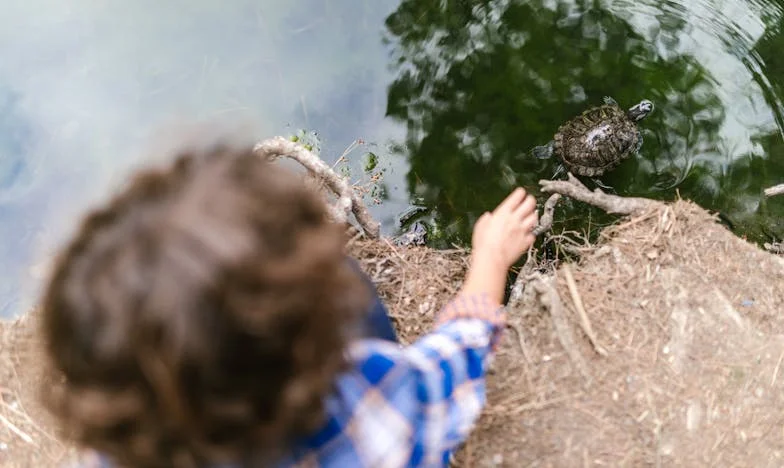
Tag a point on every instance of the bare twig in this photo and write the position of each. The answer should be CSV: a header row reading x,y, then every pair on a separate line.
x,y
22,435
348,200
613,204
24,414
506,409
523,349
546,221
775,190
776,370
522,276
578,304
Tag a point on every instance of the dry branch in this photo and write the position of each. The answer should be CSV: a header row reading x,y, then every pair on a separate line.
x,y
12,427
545,224
613,204
546,221
775,190
578,304
348,200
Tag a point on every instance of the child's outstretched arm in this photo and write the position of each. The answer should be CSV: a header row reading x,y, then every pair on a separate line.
x,y
427,397
499,239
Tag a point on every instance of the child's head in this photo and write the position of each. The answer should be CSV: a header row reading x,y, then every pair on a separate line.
x,y
203,311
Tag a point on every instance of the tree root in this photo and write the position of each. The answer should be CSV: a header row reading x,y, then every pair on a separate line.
x,y
348,201
775,190
612,204
585,322
546,221
775,247
549,298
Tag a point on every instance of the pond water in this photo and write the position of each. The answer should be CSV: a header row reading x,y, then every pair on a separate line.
x,y
450,95
480,83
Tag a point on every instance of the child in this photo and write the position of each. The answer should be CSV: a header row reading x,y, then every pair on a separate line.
x,y
208,317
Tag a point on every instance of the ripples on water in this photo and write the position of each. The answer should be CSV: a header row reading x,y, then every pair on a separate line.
x,y
480,83
470,87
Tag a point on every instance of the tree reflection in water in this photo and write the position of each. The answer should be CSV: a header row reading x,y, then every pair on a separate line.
x,y
479,83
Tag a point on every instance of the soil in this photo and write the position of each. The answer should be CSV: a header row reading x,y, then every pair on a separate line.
x,y
676,360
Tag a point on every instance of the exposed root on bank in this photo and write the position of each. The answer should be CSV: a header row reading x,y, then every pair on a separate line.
x,y
546,220
775,247
348,200
578,304
612,204
775,190
549,298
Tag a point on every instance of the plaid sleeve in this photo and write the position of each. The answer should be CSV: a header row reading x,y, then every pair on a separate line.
x,y
452,363
423,400
477,306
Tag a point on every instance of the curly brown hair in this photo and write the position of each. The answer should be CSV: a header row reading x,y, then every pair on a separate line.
x,y
201,315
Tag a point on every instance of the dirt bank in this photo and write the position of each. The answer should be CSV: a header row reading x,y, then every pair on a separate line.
x,y
684,368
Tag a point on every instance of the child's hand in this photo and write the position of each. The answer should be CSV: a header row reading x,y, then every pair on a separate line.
x,y
499,239
502,236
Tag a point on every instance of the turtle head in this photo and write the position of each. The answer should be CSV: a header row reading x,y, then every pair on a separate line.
x,y
641,110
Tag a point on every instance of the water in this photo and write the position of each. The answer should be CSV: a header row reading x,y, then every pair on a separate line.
x,y
480,83
450,95
85,86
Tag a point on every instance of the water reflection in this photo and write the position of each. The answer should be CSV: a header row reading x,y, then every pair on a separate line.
x,y
85,86
481,82
474,86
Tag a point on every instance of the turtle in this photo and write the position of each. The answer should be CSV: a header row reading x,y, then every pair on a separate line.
x,y
597,140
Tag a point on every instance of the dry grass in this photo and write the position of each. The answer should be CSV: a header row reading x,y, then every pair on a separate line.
x,y
685,364
413,282
666,350
27,437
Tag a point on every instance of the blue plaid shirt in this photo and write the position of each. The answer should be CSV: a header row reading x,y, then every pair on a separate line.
x,y
408,406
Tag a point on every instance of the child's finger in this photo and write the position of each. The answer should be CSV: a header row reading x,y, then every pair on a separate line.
x,y
529,222
511,201
526,207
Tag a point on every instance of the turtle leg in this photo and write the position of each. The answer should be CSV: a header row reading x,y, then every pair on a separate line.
x,y
603,186
544,151
639,142
610,101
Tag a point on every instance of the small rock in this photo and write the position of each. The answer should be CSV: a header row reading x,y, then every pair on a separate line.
x,y
747,303
498,459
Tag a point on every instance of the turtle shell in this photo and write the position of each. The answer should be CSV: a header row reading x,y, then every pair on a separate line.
x,y
597,140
